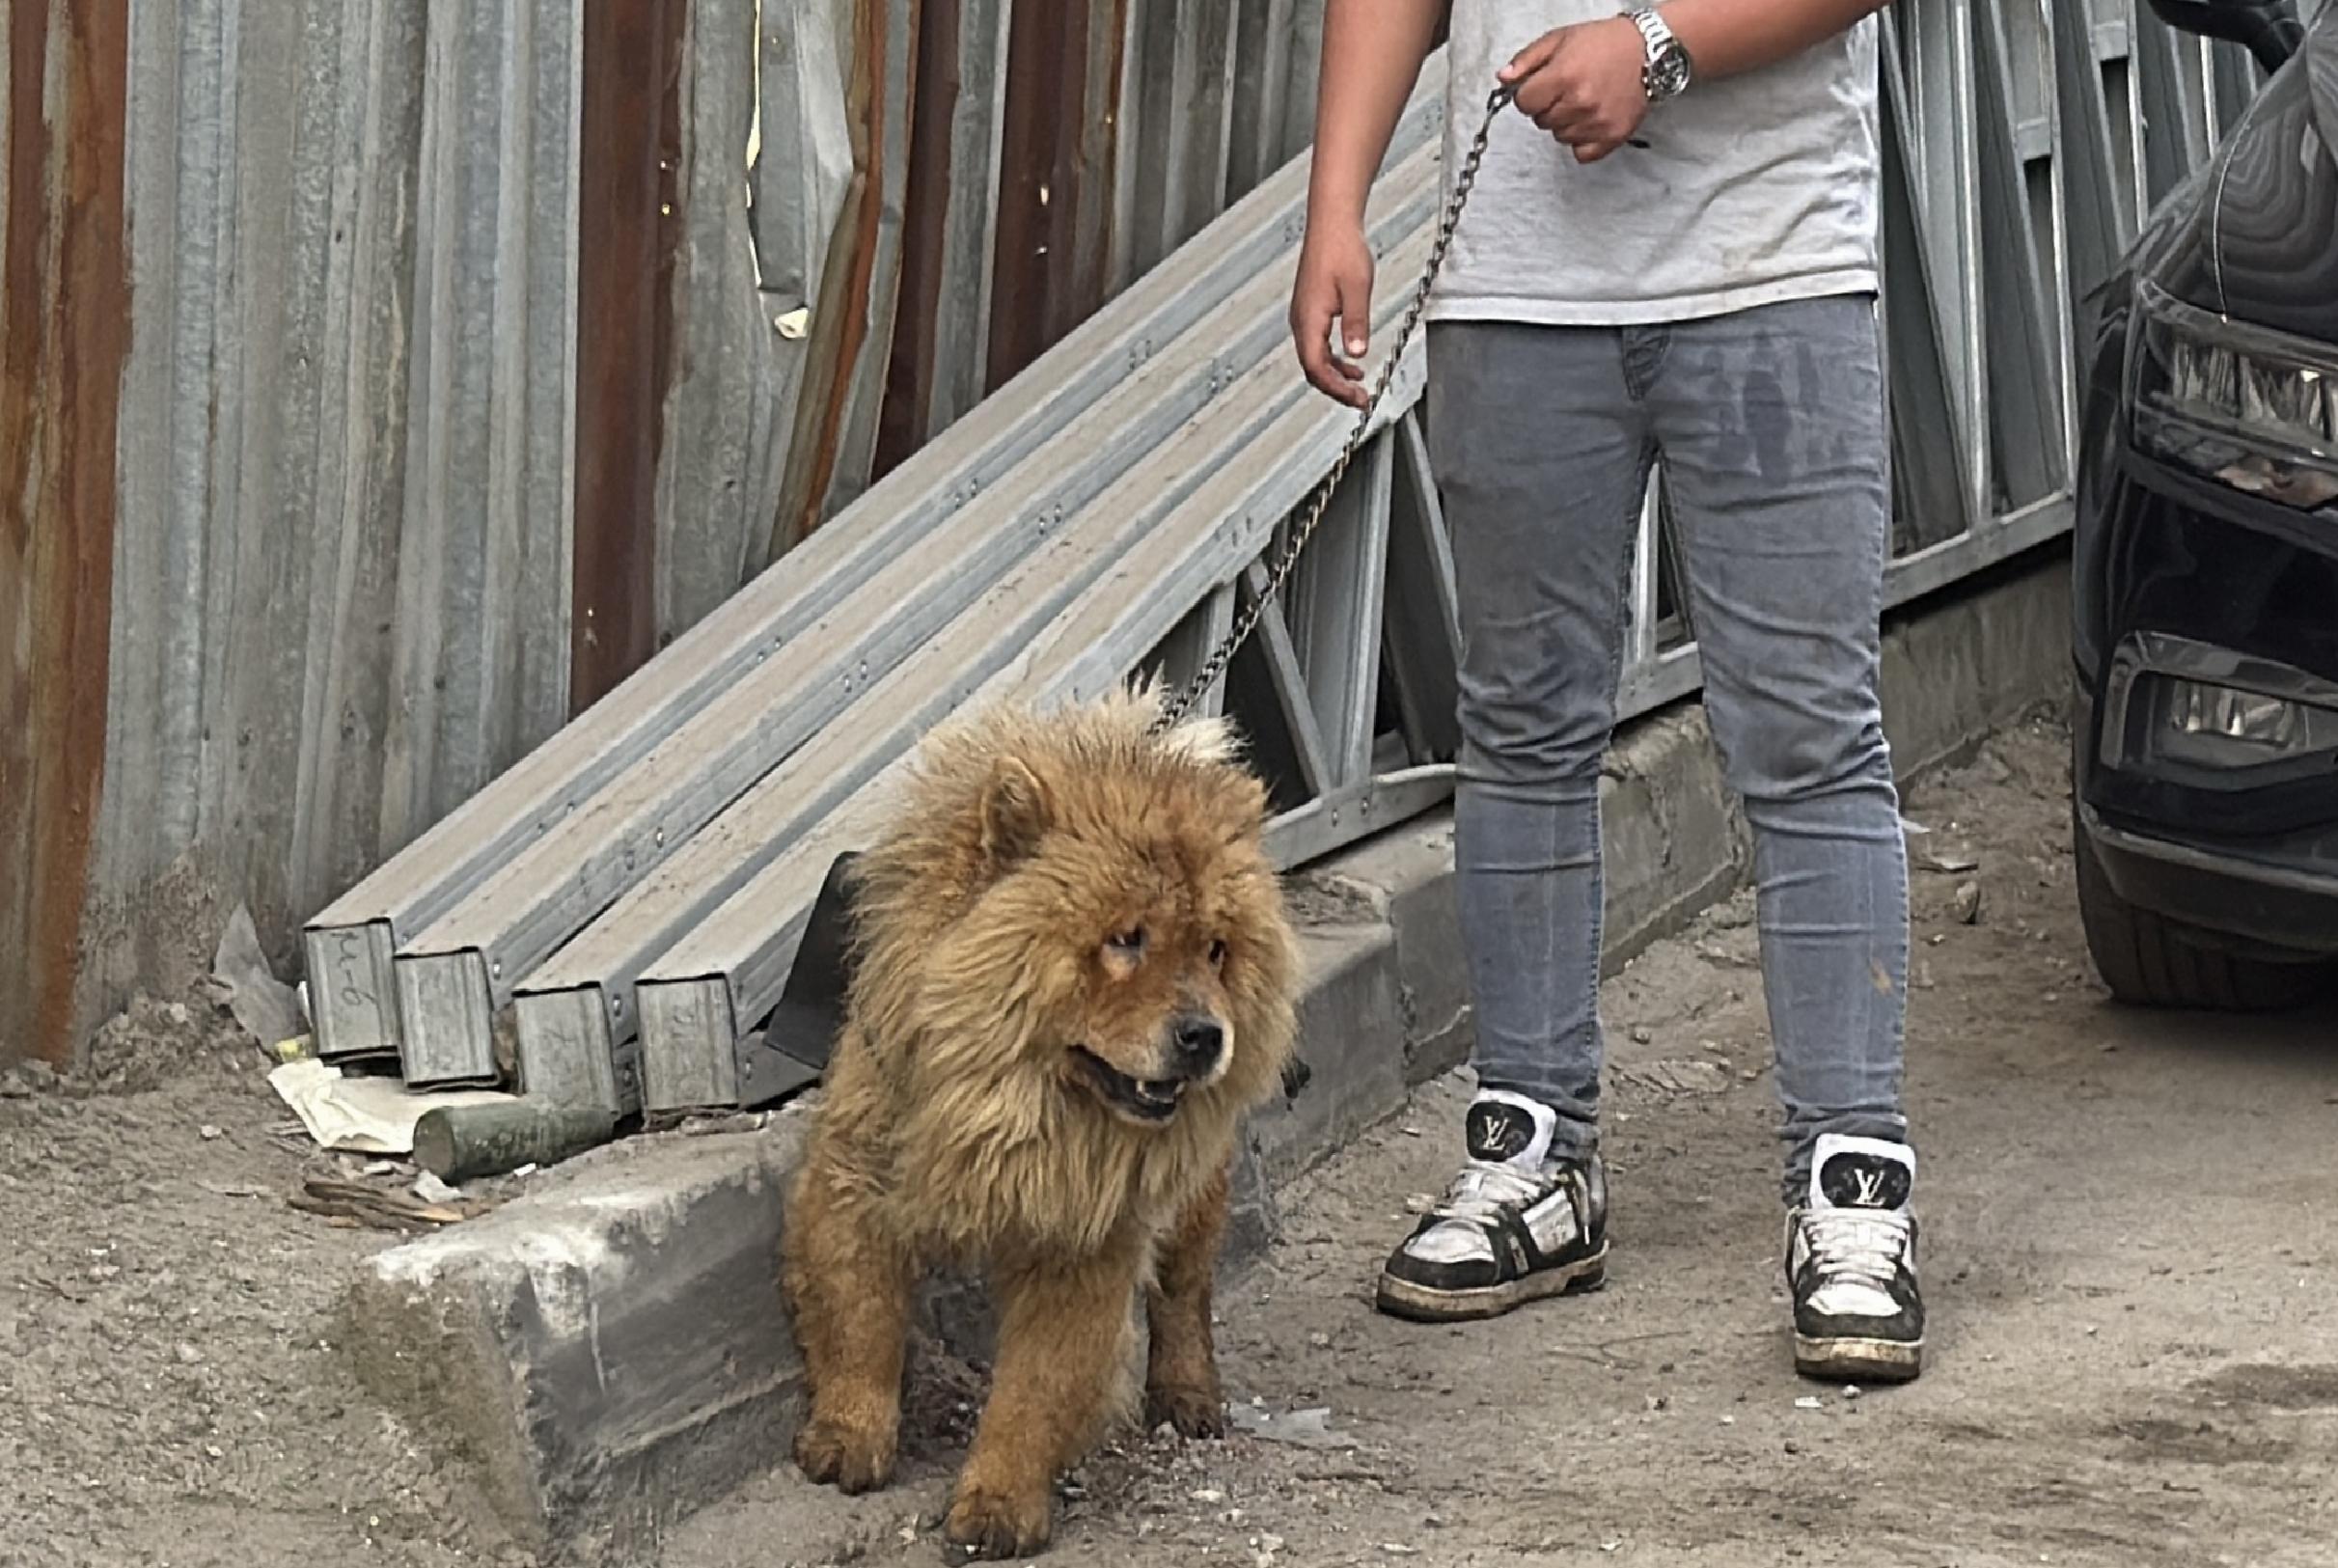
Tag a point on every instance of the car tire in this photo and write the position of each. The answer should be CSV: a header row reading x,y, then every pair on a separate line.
x,y
2150,961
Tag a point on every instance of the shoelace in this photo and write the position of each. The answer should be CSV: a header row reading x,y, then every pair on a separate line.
x,y
1482,1191
1863,1246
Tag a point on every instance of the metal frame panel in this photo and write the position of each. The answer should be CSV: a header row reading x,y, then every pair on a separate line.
x,y
1933,467
1183,651
2024,382
1335,602
1420,605
483,549
1936,71
2098,204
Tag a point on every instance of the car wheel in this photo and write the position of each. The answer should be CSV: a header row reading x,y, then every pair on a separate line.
x,y
2151,961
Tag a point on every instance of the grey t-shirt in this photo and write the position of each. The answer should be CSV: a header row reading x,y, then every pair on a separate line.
x,y
1753,189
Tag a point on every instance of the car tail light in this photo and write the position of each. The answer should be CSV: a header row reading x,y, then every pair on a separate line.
x,y
2249,408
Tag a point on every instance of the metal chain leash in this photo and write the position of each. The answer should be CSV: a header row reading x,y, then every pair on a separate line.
x,y
1287,558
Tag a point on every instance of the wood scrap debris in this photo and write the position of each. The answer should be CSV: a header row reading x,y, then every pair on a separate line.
x,y
354,1204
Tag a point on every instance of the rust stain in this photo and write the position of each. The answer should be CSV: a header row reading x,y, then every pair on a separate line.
x,y
912,360
1041,189
630,211
1099,167
842,313
64,335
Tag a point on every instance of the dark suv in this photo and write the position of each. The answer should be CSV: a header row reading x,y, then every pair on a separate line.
x,y
2205,765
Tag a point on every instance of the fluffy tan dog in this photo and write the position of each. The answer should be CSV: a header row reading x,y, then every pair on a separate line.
x,y
1074,975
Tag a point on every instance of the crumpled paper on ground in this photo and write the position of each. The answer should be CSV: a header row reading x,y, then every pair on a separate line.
x,y
361,1115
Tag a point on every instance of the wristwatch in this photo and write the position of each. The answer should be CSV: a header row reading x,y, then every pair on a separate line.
x,y
1665,74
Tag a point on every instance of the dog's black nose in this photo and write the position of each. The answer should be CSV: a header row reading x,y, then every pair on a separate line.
x,y
1199,1042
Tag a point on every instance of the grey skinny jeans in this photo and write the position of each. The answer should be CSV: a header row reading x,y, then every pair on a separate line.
x,y
1771,425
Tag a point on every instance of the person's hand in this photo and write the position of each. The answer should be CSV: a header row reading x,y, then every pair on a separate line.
x,y
1335,282
1583,84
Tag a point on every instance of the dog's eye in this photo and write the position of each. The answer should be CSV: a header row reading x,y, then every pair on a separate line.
x,y
1130,940
1217,951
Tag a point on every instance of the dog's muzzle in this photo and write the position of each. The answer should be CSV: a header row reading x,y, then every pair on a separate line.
x,y
1148,1099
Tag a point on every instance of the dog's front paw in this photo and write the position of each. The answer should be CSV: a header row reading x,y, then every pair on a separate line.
x,y
831,1454
986,1522
1196,1411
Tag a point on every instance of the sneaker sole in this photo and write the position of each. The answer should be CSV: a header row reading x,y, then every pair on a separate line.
x,y
1425,1303
1858,1360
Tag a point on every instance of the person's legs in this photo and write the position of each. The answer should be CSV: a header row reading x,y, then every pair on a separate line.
x,y
1541,453
1542,456
1773,426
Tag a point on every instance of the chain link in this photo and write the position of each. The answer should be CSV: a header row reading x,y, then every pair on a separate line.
x,y
1247,623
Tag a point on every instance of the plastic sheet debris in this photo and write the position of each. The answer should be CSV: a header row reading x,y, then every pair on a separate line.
x,y
265,1007
1309,1428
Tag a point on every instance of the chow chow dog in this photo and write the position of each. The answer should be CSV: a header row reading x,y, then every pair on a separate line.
x,y
1073,972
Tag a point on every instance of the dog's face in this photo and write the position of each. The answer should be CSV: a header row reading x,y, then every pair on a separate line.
x,y
1154,1018
1149,926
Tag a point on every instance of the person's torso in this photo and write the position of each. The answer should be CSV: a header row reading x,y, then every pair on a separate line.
x,y
1753,189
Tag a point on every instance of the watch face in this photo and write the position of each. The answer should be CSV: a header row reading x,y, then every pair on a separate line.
x,y
1669,72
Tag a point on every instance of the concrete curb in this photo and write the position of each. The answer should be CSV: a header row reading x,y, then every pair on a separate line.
x,y
608,1349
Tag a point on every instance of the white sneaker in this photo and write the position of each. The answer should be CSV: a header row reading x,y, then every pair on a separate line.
x,y
1514,1225
1851,1263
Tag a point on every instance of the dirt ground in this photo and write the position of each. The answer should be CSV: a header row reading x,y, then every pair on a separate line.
x,y
2130,1239
169,1397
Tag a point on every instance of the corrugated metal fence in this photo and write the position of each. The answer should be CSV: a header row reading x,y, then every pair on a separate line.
x,y
386,378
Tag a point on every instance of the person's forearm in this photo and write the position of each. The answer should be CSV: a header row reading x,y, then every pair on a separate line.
x,y
1372,50
1726,37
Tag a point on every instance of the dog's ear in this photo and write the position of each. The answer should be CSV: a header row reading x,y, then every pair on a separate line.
x,y
1242,805
1017,812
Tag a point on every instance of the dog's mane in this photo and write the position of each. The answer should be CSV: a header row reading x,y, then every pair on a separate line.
x,y
934,840
1022,1157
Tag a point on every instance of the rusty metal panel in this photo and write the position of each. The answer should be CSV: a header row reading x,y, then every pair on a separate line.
x,y
482,645
1266,33
1305,55
626,200
1054,218
834,422
346,437
64,329
1127,126
942,320
801,177
718,471
911,357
